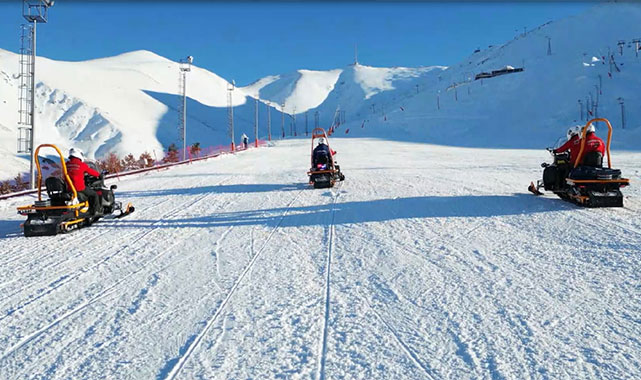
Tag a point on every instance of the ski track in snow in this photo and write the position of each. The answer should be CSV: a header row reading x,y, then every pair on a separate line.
x,y
328,269
106,292
183,359
432,263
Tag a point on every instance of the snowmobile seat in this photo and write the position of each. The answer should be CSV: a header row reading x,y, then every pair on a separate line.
x,y
58,193
594,159
589,172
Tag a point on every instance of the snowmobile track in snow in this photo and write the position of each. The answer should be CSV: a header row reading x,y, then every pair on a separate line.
x,y
111,289
74,275
330,246
175,371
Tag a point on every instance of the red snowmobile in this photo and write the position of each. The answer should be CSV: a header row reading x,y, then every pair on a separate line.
x,y
586,184
324,171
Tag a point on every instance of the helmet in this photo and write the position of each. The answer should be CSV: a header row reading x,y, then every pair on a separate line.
x,y
574,131
591,128
321,141
73,152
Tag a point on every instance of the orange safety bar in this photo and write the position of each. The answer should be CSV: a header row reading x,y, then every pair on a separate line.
x,y
64,172
584,132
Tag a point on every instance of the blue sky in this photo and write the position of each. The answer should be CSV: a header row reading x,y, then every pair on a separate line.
x,y
249,40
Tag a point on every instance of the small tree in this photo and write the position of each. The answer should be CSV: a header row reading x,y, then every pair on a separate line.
x,y
111,163
195,149
19,184
172,154
146,161
5,187
130,162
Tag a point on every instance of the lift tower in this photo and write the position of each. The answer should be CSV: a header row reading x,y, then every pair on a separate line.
x,y
185,67
34,11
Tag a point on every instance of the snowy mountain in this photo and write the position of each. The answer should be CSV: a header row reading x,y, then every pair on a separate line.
x,y
123,104
129,103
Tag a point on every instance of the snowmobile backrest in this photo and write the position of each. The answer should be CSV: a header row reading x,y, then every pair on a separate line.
x,y
57,190
594,159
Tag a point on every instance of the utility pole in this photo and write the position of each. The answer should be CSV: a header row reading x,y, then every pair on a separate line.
x,y
282,123
355,54
33,11
600,85
306,117
438,100
269,123
316,120
230,112
417,89
622,112
256,124
294,121
636,43
185,67
549,45
596,103
621,44
580,110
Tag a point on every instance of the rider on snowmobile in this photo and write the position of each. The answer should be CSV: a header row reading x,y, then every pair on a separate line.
x,y
573,144
76,170
593,143
322,153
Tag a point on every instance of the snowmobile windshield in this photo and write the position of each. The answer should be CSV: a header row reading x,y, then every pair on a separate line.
x,y
560,141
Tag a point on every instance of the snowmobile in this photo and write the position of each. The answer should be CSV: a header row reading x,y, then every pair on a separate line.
x,y
65,209
588,184
324,171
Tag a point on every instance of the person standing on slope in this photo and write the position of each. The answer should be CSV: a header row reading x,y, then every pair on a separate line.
x,y
76,170
245,140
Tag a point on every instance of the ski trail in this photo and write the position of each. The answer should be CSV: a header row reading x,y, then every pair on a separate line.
x,y
175,371
111,289
408,351
330,245
72,276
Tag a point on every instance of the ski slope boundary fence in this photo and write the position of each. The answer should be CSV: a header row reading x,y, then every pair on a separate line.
x,y
207,153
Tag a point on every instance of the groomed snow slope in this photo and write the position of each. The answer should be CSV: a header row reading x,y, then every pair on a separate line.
x,y
428,262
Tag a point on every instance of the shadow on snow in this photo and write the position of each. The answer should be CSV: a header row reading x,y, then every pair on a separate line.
x,y
381,210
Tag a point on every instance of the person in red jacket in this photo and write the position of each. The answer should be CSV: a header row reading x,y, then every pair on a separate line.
x,y
76,170
573,144
593,143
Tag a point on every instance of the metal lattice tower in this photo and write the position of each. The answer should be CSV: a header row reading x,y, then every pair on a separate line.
x,y
34,11
230,112
25,99
185,67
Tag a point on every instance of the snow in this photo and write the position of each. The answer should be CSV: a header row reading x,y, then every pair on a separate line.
x,y
427,262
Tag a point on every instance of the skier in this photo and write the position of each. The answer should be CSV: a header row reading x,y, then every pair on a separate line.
x,y
245,140
76,170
